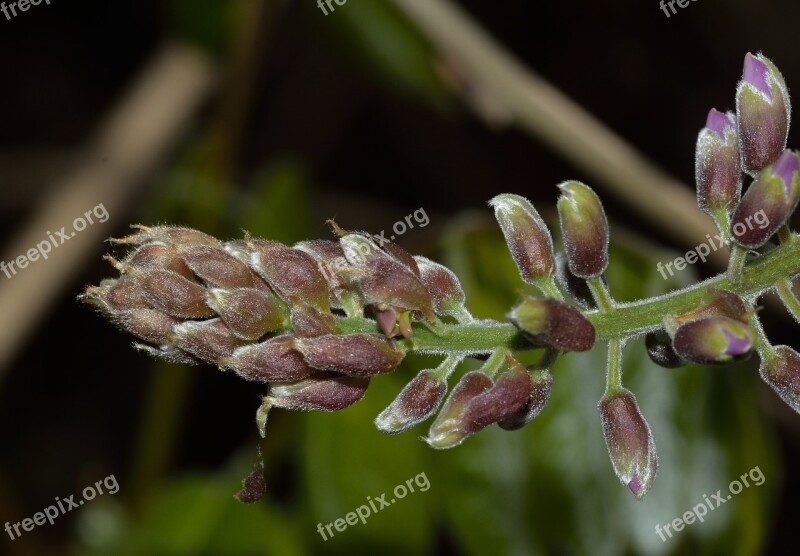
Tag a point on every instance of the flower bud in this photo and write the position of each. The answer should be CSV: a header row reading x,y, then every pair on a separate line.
x,y
714,340
401,255
323,391
661,352
418,400
307,322
541,388
764,111
216,267
156,256
783,375
548,322
448,429
629,441
351,354
443,286
248,312
169,353
148,325
274,360
527,236
332,262
112,296
175,295
208,340
768,202
290,272
584,228
508,396
715,303
717,165
169,235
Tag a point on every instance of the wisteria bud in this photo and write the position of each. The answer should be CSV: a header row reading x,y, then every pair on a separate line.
x,y
661,352
323,391
507,398
718,169
764,112
248,312
112,296
152,256
148,325
208,340
216,267
175,295
629,441
527,236
448,430
351,354
443,286
715,303
541,388
783,375
274,360
714,340
585,229
290,272
169,235
418,400
548,322
768,202
308,322
332,263
401,255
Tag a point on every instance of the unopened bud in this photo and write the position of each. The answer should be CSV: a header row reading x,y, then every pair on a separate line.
x,y
717,163
148,325
274,360
443,286
768,202
112,296
418,400
169,235
527,236
175,295
783,375
764,111
448,429
332,262
351,354
208,340
216,267
541,388
548,322
156,256
584,228
401,255
661,352
714,340
507,397
629,441
308,322
323,391
248,312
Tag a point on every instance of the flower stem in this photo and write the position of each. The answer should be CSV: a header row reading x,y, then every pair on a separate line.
x,y
602,297
790,301
614,371
736,263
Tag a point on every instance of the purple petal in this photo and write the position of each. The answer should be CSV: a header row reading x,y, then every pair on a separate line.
x,y
717,121
736,345
785,168
755,73
635,485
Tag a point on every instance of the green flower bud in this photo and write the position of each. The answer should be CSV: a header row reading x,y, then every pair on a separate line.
x,y
584,228
548,322
526,235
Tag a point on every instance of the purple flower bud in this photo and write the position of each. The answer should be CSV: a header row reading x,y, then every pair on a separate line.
x,y
112,296
332,262
275,360
717,163
661,352
208,340
169,235
307,322
548,322
716,303
290,272
448,429
783,375
508,396
217,268
156,256
527,236
175,295
351,354
418,400
764,111
148,324
629,441
443,286
402,256
584,228
323,391
248,312
768,203
714,340
541,388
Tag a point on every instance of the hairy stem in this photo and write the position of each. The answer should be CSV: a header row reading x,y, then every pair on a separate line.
x,y
614,373
790,301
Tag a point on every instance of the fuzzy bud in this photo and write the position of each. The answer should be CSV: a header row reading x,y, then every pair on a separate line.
x,y
783,375
332,263
156,256
661,352
443,286
218,268
629,441
418,400
585,229
169,235
274,360
548,322
768,202
248,312
175,295
323,391
527,236
351,354
764,112
448,429
541,388
307,322
208,340
714,340
148,325
717,163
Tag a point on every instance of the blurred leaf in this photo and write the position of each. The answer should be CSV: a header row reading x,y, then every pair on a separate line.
x,y
204,22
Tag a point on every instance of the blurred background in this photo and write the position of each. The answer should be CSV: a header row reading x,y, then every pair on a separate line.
x,y
272,116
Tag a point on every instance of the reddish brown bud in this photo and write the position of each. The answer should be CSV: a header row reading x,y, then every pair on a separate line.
x,y
253,486
148,324
548,322
448,430
352,354
331,260
443,286
714,340
175,295
307,322
418,400
323,391
216,267
783,375
527,236
506,398
541,388
401,255
249,313
155,256
169,235
112,296
584,228
275,360
208,340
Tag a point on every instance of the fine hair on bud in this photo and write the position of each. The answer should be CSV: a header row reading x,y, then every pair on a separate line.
x,y
527,236
584,228
418,401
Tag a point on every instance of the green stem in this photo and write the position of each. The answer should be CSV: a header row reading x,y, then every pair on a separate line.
x,y
550,288
495,362
736,263
622,320
602,297
765,349
447,367
784,289
614,373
